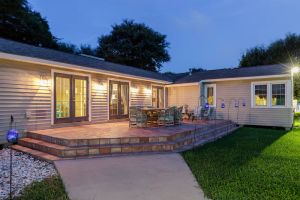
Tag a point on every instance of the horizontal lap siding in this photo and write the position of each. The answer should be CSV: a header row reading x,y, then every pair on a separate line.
x,y
21,94
140,94
184,95
99,95
234,90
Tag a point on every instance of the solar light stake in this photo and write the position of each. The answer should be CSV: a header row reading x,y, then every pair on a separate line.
x,y
12,138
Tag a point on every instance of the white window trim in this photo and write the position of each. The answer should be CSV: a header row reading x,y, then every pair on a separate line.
x,y
288,90
215,92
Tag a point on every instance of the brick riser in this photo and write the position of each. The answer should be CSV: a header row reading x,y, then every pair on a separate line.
x,y
180,144
119,141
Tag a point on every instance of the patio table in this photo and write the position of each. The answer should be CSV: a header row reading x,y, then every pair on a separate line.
x,y
152,114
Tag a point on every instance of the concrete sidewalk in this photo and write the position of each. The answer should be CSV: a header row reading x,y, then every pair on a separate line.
x,y
141,177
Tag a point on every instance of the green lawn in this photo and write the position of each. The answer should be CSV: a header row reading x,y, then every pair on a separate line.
x,y
251,163
49,189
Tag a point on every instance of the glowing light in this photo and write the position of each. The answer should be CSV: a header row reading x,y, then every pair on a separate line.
x,y
206,106
295,70
12,136
101,86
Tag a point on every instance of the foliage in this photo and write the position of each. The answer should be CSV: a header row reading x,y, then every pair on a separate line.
x,y
67,47
134,44
18,22
87,50
251,163
285,50
49,189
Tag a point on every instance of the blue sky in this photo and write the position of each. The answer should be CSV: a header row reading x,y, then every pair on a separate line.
x,y
202,33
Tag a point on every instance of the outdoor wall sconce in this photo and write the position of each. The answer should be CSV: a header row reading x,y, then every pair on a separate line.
x,y
44,82
101,86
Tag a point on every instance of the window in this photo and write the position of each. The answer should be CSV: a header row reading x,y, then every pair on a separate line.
x,y
278,94
269,94
261,95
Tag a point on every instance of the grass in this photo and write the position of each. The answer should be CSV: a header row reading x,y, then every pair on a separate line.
x,y
49,189
251,163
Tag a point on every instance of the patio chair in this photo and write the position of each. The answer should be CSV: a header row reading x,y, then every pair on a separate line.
x,y
208,113
198,113
178,116
141,118
166,117
133,116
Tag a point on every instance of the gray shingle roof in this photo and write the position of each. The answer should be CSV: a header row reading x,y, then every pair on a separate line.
x,y
17,48
265,70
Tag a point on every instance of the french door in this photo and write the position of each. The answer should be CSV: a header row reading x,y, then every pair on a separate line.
x,y
70,98
157,97
118,99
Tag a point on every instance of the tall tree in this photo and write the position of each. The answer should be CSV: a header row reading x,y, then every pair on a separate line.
x,y
134,44
18,22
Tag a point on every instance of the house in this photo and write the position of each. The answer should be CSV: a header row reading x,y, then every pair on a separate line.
x,y
259,95
43,88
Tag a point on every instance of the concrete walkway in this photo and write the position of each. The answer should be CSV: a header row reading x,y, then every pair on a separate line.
x,y
141,177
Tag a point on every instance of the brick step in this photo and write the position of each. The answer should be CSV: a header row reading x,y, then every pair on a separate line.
x,y
163,146
126,140
202,141
36,154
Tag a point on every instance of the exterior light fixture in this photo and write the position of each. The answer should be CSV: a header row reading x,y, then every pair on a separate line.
x,y
244,103
295,70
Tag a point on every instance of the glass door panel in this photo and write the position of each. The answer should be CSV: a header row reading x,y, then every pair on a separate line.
x,y
80,97
118,99
154,97
114,96
158,97
63,94
124,99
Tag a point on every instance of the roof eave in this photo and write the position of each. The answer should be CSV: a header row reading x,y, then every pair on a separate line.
x,y
62,65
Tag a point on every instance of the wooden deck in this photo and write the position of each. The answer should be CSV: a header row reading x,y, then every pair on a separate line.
x,y
118,138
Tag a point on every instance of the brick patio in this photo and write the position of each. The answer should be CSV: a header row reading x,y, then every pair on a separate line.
x,y
118,138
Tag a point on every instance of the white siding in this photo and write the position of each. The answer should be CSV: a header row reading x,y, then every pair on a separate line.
x,y
184,95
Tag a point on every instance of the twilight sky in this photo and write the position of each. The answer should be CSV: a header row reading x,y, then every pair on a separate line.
x,y
202,33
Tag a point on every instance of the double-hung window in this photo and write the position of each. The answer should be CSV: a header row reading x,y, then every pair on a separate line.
x,y
271,94
261,95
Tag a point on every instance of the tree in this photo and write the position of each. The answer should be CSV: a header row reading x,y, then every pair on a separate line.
x,y
134,44
18,22
87,49
285,50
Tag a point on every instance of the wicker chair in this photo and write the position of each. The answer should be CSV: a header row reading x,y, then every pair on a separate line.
x,y
166,117
178,116
133,116
141,118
